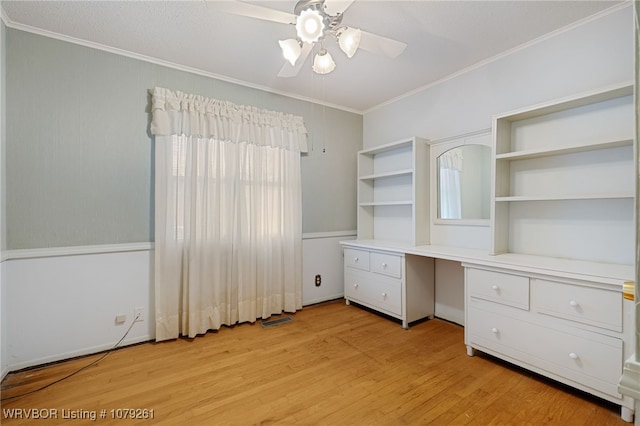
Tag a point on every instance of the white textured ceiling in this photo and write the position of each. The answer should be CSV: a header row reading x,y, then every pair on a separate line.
x,y
443,38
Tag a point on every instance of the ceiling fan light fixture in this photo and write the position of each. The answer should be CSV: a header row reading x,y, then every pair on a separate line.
x,y
349,40
323,63
290,50
310,26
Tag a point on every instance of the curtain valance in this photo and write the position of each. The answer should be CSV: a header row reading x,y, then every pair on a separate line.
x,y
177,113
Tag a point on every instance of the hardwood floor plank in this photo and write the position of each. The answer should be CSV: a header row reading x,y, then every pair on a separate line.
x,y
334,364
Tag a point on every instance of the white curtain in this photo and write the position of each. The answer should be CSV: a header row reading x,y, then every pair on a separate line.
x,y
450,166
228,240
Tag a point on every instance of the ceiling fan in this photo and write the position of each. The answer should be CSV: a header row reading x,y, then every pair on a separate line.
x,y
314,20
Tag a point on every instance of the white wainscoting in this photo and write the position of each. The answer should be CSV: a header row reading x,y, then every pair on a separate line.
x,y
322,255
62,302
60,306
4,366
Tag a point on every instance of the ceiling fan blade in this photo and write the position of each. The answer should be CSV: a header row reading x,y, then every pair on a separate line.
x,y
289,70
255,11
382,45
333,7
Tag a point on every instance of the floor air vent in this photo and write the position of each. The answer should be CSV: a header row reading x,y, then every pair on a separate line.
x,y
277,321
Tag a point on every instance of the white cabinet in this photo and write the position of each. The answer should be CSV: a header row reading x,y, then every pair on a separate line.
x,y
389,283
567,329
564,181
393,192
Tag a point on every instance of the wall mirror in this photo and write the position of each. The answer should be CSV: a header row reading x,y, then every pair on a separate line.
x,y
464,190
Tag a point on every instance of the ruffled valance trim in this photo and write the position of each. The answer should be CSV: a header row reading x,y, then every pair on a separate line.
x,y
177,113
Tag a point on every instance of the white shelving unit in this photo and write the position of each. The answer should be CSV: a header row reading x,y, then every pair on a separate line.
x,y
564,178
393,192
564,200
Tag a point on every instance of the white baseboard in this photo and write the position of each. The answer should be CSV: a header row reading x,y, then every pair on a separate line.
x,y
76,353
324,299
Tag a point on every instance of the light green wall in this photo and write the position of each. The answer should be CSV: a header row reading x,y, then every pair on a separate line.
x,y
79,155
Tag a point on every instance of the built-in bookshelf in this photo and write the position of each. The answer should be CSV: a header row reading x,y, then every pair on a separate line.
x,y
563,178
393,192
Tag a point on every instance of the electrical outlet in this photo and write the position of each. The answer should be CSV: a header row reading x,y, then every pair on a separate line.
x,y
318,280
138,314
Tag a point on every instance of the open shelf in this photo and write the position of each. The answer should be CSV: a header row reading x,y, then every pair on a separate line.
x,y
539,153
396,173
394,146
564,178
571,102
387,203
393,192
622,195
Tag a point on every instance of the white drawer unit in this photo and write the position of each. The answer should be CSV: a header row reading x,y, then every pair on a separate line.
x,y
395,284
563,328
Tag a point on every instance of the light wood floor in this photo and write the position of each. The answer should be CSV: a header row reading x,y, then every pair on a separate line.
x,y
334,365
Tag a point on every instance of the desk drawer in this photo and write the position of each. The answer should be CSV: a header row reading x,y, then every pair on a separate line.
x,y
356,259
586,305
590,358
377,291
506,289
387,264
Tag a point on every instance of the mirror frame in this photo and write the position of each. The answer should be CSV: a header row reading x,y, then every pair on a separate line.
x,y
439,147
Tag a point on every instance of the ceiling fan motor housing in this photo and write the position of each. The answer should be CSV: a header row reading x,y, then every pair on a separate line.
x,y
309,4
331,23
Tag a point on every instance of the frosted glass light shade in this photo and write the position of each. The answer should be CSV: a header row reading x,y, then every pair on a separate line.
x,y
290,50
309,26
323,63
349,40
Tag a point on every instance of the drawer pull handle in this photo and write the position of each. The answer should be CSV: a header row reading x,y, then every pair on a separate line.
x,y
495,287
573,355
384,265
494,330
355,286
573,303
356,260
384,294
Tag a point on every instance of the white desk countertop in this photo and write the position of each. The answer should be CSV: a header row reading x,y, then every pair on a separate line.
x,y
604,273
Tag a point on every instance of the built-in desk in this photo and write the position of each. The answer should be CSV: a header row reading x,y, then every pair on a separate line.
x,y
565,319
606,273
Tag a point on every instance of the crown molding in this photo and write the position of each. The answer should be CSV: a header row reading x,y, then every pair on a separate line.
x,y
133,55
